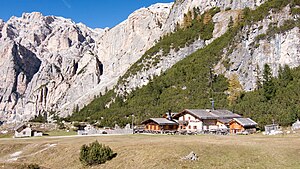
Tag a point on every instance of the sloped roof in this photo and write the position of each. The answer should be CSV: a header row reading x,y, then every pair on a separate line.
x,y
225,114
225,121
20,127
160,121
201,113
245,121
209,114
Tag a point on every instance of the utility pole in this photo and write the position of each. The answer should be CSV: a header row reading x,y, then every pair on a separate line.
x,y
132,123
211,82
211,89
212,103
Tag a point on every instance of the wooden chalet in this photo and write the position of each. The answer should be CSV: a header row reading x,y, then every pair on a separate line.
x,y
239,125
198,120
157,125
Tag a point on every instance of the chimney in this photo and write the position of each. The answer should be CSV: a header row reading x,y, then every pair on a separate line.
x,y
212,104
169,115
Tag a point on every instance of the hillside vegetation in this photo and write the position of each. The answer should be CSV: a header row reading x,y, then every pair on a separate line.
x,y
195,26
191,83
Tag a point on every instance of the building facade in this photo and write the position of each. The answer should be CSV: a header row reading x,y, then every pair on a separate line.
x,y
239,125
160,125
23,131
204,120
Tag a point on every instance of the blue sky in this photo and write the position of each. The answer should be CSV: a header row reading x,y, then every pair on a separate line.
x,y
93,13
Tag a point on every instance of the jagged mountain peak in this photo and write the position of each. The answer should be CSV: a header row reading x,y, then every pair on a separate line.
x,y
73,62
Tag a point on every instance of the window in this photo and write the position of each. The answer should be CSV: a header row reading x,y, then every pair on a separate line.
x,y
195,127
189,127
189,118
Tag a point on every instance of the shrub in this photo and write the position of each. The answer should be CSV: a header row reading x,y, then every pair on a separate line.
x,y
39,118
95,153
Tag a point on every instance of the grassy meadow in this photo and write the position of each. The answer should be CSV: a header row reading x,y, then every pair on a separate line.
x,y
157,151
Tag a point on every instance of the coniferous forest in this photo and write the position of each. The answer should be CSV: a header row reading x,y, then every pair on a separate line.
x,y
191,83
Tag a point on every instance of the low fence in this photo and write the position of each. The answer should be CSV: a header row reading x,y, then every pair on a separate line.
x,y
120,131
187,132
104,131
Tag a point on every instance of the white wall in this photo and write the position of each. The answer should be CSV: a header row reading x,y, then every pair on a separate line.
x,y
192,123
24,133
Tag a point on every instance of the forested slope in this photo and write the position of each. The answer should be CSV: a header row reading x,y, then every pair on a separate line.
x,y
192,82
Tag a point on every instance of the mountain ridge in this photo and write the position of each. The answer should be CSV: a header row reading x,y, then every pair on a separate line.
x,y
69,74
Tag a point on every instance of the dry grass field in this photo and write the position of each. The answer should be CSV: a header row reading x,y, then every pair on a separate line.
x,y
157,151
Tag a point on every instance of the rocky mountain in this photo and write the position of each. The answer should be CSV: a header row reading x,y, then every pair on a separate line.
x,y
51,64
274,41
229,9
182,7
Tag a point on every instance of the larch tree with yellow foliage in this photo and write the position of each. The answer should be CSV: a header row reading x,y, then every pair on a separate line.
x,y
234,89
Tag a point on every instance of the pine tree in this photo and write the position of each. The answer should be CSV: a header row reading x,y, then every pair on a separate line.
x,y
231,23
285,75
268,83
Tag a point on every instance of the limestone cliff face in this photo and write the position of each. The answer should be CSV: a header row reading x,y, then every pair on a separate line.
x,y
45,63
181,7
51,64
124,44
250,54
143,77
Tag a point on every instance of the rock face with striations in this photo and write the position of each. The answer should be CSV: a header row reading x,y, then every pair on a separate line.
x,y
42,62
251,53
50,64
181,7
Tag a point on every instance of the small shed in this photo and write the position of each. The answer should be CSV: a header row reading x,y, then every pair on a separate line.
x,y
160,125
23,130
36,133
239,125
272,129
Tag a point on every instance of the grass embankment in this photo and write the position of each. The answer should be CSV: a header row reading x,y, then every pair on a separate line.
x,y
61,133
6,135
159,151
